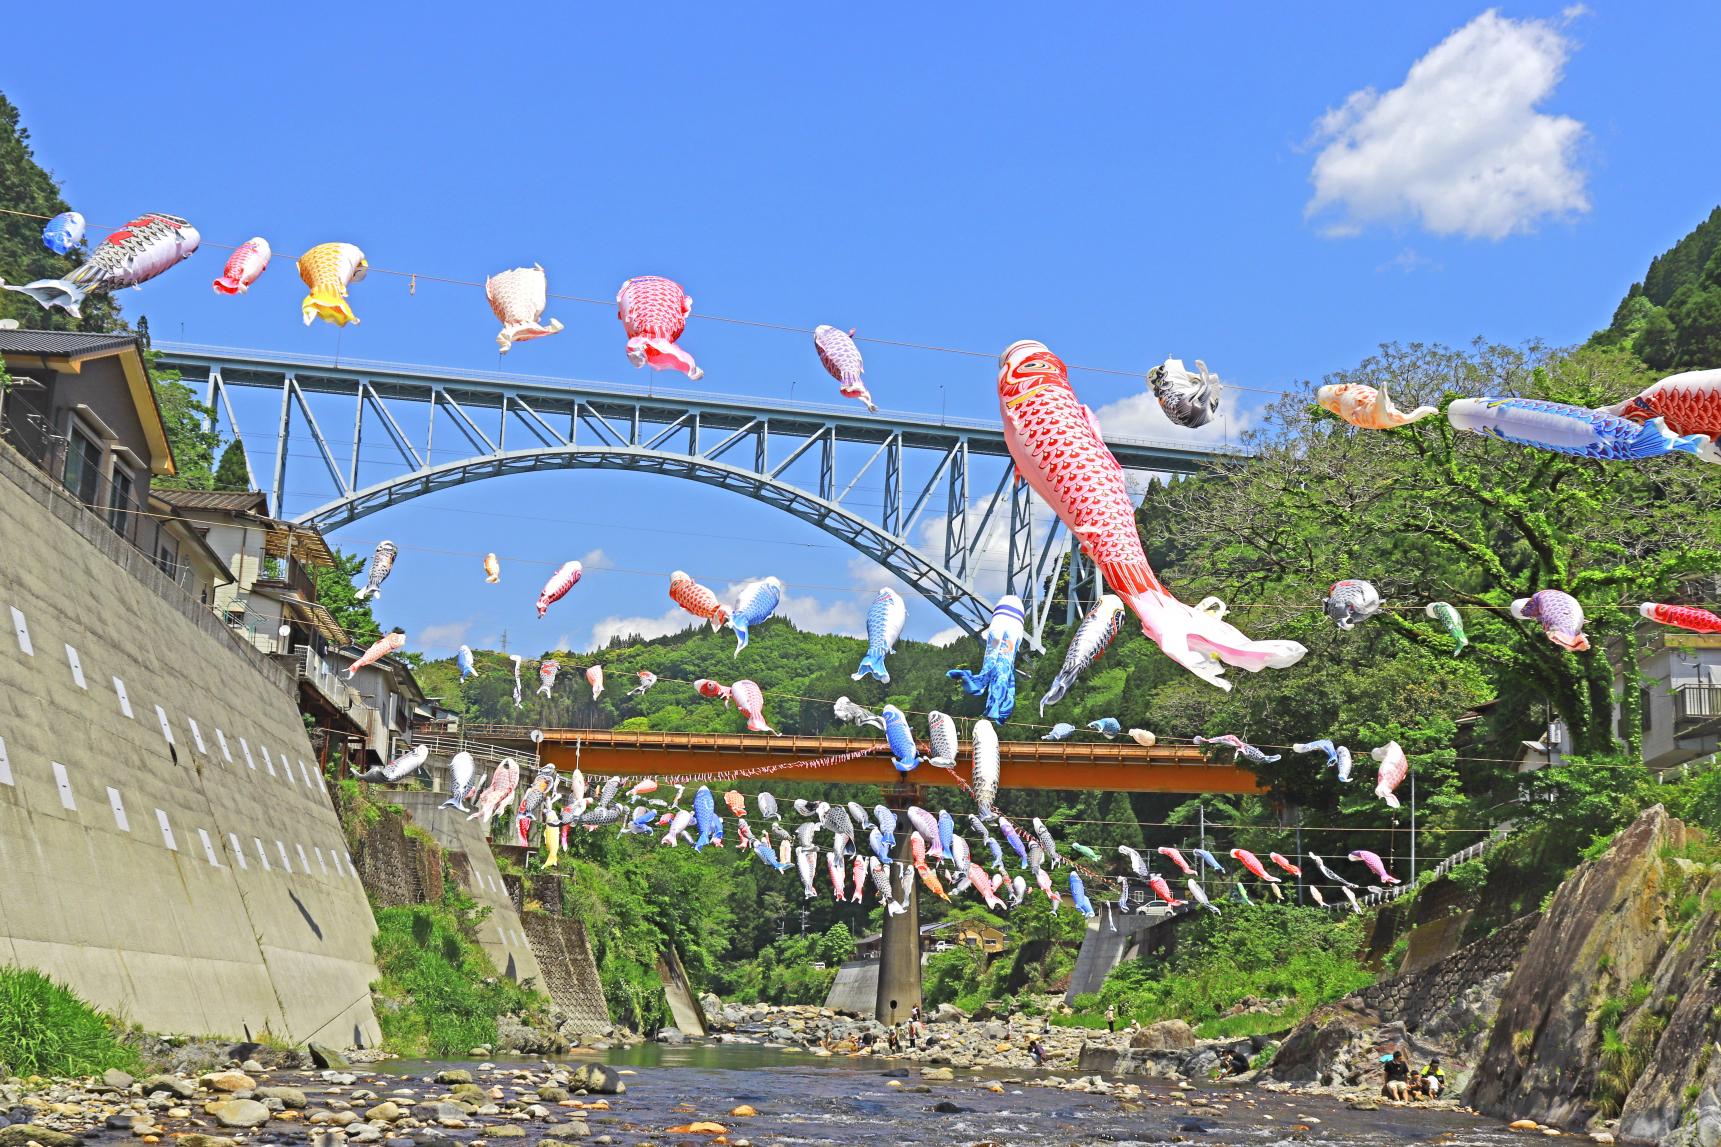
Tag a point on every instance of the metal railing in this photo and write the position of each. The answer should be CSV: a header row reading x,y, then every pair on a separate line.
x,y
311,666
1470,852
1697,703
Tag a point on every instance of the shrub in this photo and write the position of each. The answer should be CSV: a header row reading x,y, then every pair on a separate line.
x,y
45,1029
438,994
1264,951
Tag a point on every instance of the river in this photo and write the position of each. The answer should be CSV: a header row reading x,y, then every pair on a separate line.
x,y
805,1101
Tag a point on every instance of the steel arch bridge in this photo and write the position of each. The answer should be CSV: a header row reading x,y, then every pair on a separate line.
x,y
806,459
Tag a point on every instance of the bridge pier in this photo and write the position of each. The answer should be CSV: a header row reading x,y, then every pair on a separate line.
x,y
899,950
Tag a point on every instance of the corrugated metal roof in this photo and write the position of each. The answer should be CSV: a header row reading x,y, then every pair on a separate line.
x,y
62,343
231,501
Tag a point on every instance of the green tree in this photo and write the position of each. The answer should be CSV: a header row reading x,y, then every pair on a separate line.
x,y
335,589
190,432
232,473
26,187
1426,512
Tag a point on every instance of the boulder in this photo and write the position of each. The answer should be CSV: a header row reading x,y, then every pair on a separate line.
x,y
290,1097
673,1036
22,1134
385,1112
597,1078
454,1075
325,1057
196,1140
228,1081
235,1113
1166,1035
117,1079
171,1084
937,1074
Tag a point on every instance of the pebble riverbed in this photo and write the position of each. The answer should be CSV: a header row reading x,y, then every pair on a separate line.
x,y
732,1096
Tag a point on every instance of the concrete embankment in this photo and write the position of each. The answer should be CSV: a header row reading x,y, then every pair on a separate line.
x,y
167,847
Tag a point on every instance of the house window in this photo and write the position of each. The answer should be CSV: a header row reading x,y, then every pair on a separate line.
x,y
120,506
83,467
1646,705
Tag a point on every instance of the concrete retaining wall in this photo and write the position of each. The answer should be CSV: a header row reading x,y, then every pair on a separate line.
x,y
501,935
855,990
1103,949
565,954
166,848
1412,998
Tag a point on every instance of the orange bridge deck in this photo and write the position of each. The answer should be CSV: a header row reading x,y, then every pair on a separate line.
x,y
1118,766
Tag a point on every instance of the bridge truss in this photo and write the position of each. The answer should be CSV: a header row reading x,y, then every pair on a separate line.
x,y
951,480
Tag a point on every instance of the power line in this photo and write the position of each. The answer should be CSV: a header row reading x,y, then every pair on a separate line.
x,y
422,276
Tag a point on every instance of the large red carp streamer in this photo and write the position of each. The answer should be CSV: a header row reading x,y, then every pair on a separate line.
x,y
1057,447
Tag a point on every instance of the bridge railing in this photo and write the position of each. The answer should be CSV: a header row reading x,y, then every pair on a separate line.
x,y
624,389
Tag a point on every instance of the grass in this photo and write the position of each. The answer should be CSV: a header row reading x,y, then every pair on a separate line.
x,y
1248,1024
1268,952
438,994
45,1029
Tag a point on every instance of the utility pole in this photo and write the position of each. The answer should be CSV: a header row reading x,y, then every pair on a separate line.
x,y
1413,826
1201,810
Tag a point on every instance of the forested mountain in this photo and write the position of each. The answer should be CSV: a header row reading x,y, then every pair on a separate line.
x,y
1672,319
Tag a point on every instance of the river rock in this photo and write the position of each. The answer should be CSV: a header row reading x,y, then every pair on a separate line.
x,y
597,1078
937,1074
228,1081
325,1057
235,1113
385,1112
566,1133
21,1134
505,1131
454,1075
467,1091
117,1079
171,1084
674,1036
206,1141
289,1096
1166,1035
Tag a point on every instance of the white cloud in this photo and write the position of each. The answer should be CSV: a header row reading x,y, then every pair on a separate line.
x,y
947,637
1408,261
664,624
1138,416
1459,147
809,613
447,636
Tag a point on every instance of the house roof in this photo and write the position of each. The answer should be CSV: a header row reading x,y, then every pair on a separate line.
x,y
63,344
232,501
65,352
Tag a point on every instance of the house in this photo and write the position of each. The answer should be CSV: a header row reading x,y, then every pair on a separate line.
x,y
81,408
394,701
1679,694
272,601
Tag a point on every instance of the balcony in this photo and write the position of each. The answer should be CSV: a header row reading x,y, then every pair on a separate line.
x,y
1697,712
315,671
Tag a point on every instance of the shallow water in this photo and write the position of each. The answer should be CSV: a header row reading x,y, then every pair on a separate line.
x,y
804,1101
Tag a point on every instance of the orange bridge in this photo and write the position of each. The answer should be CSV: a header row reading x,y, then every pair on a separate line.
x,y
1120,766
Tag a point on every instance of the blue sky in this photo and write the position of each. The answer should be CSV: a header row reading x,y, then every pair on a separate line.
x,y
1122,182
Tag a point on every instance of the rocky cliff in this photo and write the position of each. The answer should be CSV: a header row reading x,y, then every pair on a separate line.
x,y
1443,1009
1611,1011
